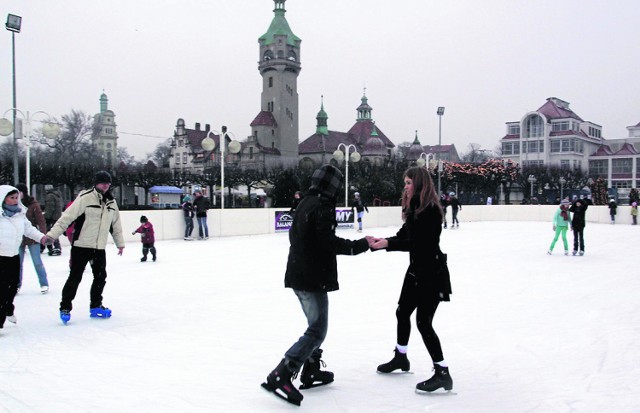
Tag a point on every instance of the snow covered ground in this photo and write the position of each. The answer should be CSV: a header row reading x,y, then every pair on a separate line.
x,y
200,329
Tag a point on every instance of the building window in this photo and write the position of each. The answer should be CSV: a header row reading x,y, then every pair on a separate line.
x,y
555,145
621,166
180,143
535,127
250,152
533,163
273,132
560,126
184,157
599,167
565,164
621,184
510,148
577,165
271,81
513,130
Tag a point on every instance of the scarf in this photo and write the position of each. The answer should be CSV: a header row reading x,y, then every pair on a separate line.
x,y
564,214
10,210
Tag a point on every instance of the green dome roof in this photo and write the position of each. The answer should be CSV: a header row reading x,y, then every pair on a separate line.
x,y
279,26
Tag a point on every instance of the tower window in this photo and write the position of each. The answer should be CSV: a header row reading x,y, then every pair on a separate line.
x,y
271,81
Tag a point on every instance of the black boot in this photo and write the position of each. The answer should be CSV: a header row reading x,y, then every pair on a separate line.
x,y
311,375
399,361
441,378
279,382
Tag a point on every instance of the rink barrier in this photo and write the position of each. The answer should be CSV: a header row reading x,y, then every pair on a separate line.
x,y
169,224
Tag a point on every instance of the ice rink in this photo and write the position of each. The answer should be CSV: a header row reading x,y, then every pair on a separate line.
x,y
200,329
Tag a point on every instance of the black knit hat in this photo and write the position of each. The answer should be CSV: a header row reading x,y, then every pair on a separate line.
x,y
102,177
22,188
143,219
327,180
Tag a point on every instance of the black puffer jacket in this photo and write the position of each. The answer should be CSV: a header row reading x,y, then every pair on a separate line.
x,y
420,236
314,245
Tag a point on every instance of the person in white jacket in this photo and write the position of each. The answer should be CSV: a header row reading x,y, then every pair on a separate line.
x,y
95,215
13,226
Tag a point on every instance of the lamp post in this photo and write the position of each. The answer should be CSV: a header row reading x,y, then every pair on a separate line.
x,y
532,180
13,25
424,160
562,182
339,155
50,130
440,112
208,144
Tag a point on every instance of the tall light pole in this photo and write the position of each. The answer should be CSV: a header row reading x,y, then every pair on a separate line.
x,y
50,130
440,112
424,160
208,144
339,155
13,25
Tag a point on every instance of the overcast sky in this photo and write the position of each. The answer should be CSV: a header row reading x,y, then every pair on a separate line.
x,y
487,62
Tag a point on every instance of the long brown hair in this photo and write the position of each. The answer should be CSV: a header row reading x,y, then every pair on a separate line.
x,y
423,189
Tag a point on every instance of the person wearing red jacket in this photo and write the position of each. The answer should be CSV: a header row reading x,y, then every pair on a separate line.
x,y
148,238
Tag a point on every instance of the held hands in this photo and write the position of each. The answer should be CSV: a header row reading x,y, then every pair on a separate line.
x,y
133,233
120,249
377,243
45,240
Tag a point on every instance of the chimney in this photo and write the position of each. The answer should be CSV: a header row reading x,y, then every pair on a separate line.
x,y
197,125
207,127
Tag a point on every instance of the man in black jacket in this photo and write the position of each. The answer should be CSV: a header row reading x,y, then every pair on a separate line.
x,y
578,222
312,273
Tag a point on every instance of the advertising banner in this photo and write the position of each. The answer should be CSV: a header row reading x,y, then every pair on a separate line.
x,y
283,219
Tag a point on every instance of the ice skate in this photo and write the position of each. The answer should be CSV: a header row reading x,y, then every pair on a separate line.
x,y
143,259
399,361
574,252
44,289
441,379
279,383
100,312
581,253
311,375
12,318
65,316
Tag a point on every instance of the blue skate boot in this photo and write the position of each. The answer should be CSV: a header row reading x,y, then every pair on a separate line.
x,y
65,316
100,312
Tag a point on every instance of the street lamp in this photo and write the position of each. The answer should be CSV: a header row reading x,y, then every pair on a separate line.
x,y
426,160
532,180
50,130
440,112
13,25
339,155
208,144
562,182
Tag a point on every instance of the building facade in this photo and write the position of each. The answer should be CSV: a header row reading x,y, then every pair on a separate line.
x,y
554,135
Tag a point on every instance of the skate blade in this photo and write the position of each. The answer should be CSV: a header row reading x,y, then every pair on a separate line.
x,y
395,372
312,385
278,392
437,393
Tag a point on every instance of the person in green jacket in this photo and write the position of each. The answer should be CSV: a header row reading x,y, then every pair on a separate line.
x,y
561,223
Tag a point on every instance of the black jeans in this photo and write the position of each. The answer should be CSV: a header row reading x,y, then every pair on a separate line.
x,y
9,278
411,298
146,247
578,239
79,259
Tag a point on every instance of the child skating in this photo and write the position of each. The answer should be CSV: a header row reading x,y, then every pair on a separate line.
x,y
148,238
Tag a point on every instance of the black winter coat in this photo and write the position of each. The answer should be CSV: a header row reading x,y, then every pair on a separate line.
x,y
420,236
314,245
578,221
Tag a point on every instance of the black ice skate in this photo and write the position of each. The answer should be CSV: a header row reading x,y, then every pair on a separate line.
x,y
279,383
311,375
399,361
440,379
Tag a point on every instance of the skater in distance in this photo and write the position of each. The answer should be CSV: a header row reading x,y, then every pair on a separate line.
x,y
148,238
423,288
312,273
95,215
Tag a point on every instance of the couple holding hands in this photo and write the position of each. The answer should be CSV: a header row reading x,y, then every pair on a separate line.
x,y
312,273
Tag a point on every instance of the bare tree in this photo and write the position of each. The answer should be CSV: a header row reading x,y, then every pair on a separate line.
x,y
161,154
476,154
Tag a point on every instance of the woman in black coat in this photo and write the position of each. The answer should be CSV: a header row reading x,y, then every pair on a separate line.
x,y
424,286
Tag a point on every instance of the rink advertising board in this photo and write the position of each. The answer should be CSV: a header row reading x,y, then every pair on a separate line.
x,y
283,219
